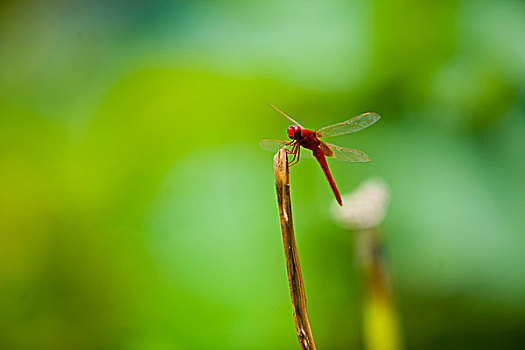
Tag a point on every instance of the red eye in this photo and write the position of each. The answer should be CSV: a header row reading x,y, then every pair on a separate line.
x,y
293,131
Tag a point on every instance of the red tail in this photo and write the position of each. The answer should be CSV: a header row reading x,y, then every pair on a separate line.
x,y
319,155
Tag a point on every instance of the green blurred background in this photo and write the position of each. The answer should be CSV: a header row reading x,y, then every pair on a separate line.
x,y
138,212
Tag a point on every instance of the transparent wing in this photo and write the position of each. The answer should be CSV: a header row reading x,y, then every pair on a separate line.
x,y
345,154
306,154
275,145
288,117
351,125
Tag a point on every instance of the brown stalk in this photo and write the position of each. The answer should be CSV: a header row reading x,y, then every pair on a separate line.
x,y
295,277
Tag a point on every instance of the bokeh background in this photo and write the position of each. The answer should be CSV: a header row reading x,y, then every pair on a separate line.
x,y
138,212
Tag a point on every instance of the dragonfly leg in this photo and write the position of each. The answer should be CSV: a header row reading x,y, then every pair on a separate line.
x,y
297,151
290,151
297,155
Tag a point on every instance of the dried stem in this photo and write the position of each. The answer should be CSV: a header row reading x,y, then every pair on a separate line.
x,y
295,277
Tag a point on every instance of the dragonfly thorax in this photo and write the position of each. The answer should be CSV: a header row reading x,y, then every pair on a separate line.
x,y
294,132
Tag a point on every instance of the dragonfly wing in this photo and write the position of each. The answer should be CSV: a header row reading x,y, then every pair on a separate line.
x,y
346,154
326,149
273,145
285,115
306,154
351,125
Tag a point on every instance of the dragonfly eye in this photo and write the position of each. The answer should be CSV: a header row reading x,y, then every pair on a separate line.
x,y
294,132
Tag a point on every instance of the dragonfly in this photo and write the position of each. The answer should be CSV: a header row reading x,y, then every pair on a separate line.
x,y
309,139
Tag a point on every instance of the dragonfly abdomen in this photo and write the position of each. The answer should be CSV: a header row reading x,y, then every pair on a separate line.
x,y
319,155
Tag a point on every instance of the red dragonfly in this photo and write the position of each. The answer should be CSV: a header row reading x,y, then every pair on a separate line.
x,y
302,137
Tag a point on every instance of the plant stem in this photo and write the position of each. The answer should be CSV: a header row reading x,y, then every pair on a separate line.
x,y
295,277
381,328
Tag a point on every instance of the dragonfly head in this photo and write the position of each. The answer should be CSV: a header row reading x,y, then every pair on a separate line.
x,y
294,132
